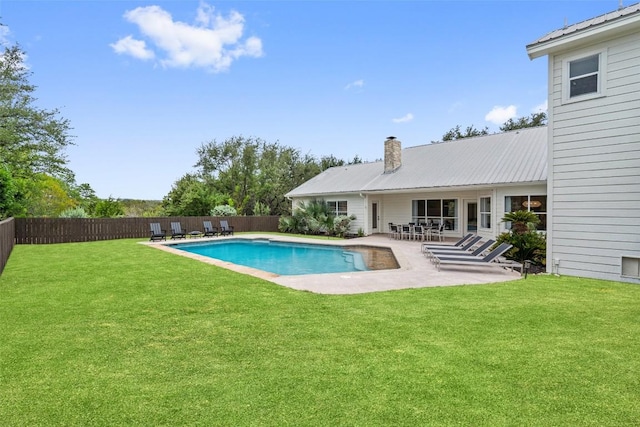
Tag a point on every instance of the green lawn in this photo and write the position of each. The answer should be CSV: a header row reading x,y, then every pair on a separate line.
x,y
118,334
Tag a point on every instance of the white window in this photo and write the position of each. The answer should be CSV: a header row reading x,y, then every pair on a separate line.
x,y
535,204
485,212
339,208
584,77
443,211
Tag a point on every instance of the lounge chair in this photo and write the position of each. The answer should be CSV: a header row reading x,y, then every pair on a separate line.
x,y
225,228
473,251
209,230
491,259
157,233
176,231
468,244
456,244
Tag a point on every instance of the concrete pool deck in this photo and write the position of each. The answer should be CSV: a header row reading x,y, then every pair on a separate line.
x,y
415,271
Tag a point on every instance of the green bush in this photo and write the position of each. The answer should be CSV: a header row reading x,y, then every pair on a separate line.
x,y
224,210
74,213
315,217
530,245
342,224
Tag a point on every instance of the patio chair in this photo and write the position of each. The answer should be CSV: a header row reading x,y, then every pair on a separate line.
x,y
492,259
419,233
393,231
225,228
157,233
464,244
176,231
437,232
405,232
477,251
209,230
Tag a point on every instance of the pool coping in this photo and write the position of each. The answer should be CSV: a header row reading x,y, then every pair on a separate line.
x,y
415,270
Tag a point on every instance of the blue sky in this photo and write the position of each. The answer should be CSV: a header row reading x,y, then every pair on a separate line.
x,y
145,83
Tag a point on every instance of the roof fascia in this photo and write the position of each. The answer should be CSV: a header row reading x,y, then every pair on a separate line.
x,y
588,35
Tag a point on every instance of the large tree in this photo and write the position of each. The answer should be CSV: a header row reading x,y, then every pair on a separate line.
x,y
32,140
251,170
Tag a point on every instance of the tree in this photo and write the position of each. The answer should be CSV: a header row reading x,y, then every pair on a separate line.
x,y
7,194
469,132
251,170
48,196
535,120
109,208
191,196
32,140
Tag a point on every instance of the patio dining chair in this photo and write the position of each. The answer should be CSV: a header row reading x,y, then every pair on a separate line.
x,y
419,233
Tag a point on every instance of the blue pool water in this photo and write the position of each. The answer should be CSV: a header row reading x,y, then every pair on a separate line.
x,y
280,257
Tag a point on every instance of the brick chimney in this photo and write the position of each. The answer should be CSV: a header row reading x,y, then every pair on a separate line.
x,y
392,154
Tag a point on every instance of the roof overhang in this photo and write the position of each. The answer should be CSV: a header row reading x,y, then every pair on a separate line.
x,y
589,35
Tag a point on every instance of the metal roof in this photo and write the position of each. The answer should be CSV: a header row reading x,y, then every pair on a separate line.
x,y
504,158
587,24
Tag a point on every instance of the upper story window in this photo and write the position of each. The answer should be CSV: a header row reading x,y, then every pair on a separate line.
x,y
584,77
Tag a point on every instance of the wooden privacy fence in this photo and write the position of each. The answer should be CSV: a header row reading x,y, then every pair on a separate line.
x,y
7,240
65,230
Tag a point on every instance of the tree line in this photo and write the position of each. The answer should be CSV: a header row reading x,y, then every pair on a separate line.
x,y
240,175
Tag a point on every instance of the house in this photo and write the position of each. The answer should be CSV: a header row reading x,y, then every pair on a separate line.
x,y
593,182
467,184
580,174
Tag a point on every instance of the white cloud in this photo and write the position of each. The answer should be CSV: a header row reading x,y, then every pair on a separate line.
x,y
406,118
4,34
542,108
355,84
130,46
498,115
213,42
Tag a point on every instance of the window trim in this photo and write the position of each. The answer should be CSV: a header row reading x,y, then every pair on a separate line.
x,y
334,206
482,213
602,72
507,225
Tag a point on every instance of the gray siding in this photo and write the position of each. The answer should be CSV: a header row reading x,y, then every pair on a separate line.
x,y
594,180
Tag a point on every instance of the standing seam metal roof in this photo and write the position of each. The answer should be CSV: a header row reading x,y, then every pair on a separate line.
x,y
504,158
593,22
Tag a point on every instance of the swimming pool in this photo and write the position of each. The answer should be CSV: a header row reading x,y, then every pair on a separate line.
x,y
284,258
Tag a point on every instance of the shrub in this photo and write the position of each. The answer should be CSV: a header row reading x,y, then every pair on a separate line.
x,y
342,224
74,213
530,245
315,217
224,210
109,208
521,221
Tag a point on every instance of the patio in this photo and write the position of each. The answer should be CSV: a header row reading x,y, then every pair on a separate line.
x,y
415,270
